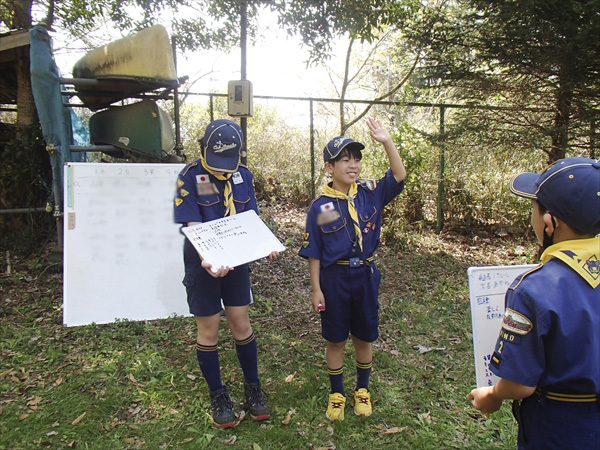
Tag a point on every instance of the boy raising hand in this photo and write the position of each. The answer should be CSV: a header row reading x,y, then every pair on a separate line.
x,y
343,229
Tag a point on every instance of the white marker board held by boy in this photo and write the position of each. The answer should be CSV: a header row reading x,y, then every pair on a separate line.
x,y
487,291
233,240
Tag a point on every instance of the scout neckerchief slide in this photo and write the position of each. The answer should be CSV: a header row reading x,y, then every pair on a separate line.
x,y
333,193
228,193
581,255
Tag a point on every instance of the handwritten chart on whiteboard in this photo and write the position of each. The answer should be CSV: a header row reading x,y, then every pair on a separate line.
x,y
233,240
487,289
123,254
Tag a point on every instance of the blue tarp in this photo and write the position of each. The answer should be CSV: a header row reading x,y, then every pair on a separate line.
x,y
55,118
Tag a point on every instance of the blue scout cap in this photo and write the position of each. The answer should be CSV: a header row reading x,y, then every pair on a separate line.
x,y
222,143
569,189
336,145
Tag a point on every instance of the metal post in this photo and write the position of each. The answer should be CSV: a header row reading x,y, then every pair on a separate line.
x,y
440,200
178,146
592,139
244,120
312,151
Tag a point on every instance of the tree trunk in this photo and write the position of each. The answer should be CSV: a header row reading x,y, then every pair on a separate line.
x,y
26,112
21,19
560,134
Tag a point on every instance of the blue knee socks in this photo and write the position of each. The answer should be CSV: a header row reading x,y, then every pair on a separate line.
x,y
208,360
247,356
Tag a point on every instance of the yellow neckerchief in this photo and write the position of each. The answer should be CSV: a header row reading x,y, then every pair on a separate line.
x,y
581,255
227,193
328,191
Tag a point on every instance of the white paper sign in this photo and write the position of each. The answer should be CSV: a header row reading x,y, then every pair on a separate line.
x,y
233,240
487,290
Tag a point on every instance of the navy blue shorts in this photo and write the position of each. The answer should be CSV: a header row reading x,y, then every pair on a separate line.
x,y
207,295
351,302
549,424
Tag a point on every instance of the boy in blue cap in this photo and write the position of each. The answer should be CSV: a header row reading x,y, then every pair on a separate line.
x,y
212,187
548,351
343,228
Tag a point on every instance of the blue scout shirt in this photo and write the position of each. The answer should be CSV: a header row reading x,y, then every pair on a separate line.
x,y
330,234
550,335
199,196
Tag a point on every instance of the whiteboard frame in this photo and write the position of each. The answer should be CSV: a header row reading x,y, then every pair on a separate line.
x,y
145,281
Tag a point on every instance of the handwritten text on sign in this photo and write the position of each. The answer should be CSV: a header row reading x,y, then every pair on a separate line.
x,y
233,240
487,290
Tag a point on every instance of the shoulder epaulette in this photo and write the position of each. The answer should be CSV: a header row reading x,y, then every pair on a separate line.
x,y
522,276
188,167
368,184
314,200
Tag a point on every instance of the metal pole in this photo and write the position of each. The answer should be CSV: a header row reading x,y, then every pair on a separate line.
x,y
178,146
244,120
592,139
312,151
440,201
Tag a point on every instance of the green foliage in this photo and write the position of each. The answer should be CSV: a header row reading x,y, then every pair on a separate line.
x,y
536,59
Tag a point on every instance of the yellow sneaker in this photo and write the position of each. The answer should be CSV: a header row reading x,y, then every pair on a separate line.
x,y
335,408
362,402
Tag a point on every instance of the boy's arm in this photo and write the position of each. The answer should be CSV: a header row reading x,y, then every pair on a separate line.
x,y
489,398
314,267
381,134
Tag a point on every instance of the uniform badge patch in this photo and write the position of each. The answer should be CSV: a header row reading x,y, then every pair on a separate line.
x,y
184,193
178,201
202,179
237,178
592,266
370,184
326,217
516,322
206,189
495,360
180,183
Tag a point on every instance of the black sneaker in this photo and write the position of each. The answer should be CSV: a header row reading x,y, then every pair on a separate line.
x,y
255,402
222,409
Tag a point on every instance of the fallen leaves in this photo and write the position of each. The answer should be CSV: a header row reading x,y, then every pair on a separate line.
x,y
422,349
290,377
288,417
79,419
384,430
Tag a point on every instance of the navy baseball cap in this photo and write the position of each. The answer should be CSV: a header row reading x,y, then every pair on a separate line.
x,y
337,144
569,189
222,143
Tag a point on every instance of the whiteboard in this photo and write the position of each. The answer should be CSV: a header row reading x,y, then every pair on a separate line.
x,y
487,289
233,240
123,253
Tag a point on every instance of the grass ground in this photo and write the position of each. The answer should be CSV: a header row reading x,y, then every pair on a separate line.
x,y
137,384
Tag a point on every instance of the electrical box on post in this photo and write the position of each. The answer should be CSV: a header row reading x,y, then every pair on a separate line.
x,y
240,98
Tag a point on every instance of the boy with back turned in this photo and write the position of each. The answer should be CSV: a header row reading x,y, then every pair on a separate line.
x,y
548,352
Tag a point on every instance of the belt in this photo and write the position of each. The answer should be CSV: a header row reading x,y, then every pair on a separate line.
x,y
356,262
572,398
